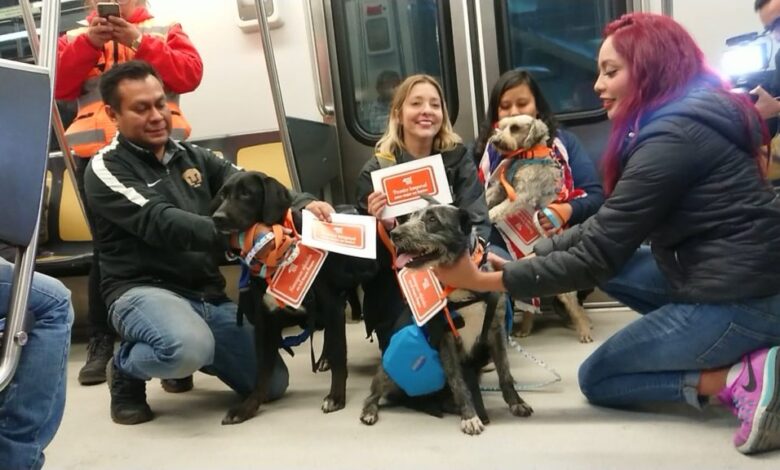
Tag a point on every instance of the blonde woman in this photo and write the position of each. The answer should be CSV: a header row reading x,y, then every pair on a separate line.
x,y
418,126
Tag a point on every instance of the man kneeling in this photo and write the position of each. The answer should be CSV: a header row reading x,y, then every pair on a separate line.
x,y
150,196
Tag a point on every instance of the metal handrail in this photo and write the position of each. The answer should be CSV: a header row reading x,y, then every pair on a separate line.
x,y
315,27
276,92
14,335
57,124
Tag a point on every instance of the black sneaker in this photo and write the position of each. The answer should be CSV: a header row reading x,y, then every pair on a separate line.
x,y
128,397
99,351
177,385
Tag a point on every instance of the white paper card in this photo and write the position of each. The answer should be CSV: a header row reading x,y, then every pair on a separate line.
x,y
351,235
406,182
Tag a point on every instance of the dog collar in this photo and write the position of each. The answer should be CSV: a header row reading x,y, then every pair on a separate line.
x,y
537,151
284,248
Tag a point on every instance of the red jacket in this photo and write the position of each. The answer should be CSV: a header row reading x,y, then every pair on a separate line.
x,y
174,57
163,45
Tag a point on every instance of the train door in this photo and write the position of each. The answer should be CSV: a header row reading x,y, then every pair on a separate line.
x,y
373,45
466,45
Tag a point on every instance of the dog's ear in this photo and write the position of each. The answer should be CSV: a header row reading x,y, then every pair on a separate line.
x,y
538,133
464,218
429,199
216,202
276,201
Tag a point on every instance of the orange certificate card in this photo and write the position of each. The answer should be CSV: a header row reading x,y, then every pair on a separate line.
x,y
291,282
351,235
409,185
423,293
346,235
519,228
404,185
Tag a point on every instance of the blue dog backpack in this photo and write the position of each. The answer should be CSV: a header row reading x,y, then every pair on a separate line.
x,y
412,363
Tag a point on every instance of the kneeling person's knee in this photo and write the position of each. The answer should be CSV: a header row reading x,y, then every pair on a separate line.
x,y
188,353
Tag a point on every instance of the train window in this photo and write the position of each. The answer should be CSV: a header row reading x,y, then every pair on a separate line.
x,y
14,44
378,36
381,42
557,41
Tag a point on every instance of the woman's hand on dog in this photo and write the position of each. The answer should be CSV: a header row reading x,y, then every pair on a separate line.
x,y
464,274
321,209
496,261
376,202
561,210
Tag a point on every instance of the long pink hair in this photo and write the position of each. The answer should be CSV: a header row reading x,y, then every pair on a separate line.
x,y
663,62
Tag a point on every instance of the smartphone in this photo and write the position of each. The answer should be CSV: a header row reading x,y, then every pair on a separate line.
x,y
106,9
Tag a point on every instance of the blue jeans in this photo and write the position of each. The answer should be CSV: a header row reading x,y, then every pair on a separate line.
x,y
168,336
659,356
31,406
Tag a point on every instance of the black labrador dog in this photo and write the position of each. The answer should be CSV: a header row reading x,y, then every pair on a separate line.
x,y
248,198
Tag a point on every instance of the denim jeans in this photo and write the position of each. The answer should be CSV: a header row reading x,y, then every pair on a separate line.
x,y
31,406
659,356
168,336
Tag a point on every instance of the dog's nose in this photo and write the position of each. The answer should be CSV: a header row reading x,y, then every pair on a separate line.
x,y
220,219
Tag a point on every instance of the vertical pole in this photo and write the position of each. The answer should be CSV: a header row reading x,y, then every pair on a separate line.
x,y
276,91
14,336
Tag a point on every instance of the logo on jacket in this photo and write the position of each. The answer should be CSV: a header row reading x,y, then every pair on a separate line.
x,y
192,177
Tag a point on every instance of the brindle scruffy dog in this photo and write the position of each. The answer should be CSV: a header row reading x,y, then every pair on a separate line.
x,y
439,235
537,183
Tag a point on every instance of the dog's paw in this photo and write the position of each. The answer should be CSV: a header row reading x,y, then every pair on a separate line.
x,y
522,410
583,332
585,337
330,404
496,214
369,416
238,414
323,366
472,426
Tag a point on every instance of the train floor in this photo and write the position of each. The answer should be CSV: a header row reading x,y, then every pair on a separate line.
x,y
564,432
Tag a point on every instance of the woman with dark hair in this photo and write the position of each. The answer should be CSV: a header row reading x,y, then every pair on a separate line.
x,y
685,169
516,92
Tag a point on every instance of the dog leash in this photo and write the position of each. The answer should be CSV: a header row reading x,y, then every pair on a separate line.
x,y
524,387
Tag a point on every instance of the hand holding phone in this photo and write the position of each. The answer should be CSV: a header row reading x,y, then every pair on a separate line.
x,y
99,32
766,104
106,10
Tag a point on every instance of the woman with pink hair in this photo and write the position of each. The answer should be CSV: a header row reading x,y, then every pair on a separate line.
x,y
685,171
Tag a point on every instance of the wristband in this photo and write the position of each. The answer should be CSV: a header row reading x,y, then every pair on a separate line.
x,y
552,217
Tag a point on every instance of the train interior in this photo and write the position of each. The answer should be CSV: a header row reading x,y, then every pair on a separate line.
x,y
304,119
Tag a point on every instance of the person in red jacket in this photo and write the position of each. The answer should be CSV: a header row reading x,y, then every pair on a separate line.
x,y
83,55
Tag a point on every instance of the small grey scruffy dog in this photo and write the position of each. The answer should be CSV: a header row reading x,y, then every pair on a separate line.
x,y
439,235
536,181
536,184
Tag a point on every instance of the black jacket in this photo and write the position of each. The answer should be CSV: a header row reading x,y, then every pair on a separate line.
x,y
152,219
688,185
